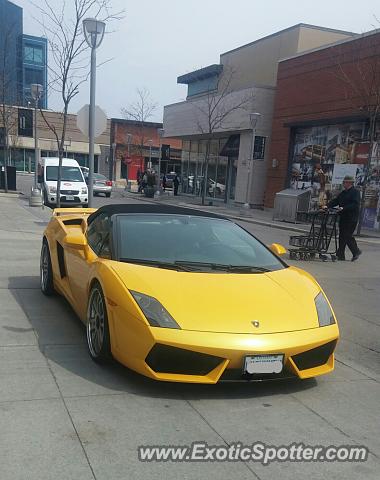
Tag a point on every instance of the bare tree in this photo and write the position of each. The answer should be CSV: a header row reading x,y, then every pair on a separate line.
x,y
140,111
8,98
214,112
360,75
69,56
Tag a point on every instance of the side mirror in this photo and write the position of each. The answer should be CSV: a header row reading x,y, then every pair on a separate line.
x,y
75,240
278,249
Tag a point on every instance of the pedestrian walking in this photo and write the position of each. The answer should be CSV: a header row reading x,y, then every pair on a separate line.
x,y
348,202
176,184
164,182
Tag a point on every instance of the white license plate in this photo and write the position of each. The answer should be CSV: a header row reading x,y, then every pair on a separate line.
x,y
69,197
263,364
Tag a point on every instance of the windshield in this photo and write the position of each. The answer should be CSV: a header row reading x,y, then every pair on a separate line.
x,y
68,174
190,241
98,176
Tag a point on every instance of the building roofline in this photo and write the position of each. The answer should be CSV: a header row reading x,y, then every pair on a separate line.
x,y
333,44
26,36
196,97
135,122
200,74
293,27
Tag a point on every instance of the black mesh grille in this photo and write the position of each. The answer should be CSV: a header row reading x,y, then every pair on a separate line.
x,y
315,357
69,192
167,359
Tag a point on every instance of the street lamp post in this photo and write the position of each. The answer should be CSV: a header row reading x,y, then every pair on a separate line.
x,y
150,143
161,133
35,199
36,91
94,32
113,170
129,140
253,118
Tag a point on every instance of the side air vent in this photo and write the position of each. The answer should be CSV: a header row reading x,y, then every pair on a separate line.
x,y
73,221
61,260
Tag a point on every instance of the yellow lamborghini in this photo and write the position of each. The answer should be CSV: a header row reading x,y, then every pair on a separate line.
x,y
182,295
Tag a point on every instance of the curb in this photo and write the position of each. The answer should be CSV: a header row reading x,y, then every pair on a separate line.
x,y
253,221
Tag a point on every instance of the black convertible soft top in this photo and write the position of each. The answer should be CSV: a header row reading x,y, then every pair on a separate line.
x,y
121,208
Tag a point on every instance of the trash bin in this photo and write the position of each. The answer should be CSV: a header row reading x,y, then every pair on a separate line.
x,y
11,178
290,201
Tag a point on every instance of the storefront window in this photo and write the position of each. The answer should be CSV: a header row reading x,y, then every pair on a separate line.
x,y
323,155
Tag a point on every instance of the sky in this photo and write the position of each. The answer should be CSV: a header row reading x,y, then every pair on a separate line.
x,y
157,41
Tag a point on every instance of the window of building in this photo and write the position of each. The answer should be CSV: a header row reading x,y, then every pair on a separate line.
x,y
205,85
259,148
33,54
25,122
33,76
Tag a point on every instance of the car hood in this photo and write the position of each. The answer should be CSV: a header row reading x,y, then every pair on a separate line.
x,y
279,301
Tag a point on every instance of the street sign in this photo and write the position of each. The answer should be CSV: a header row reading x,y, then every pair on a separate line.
x,y
165,152
83,120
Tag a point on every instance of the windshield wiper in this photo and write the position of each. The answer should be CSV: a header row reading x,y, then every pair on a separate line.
x,y
223,267
247,269
156,263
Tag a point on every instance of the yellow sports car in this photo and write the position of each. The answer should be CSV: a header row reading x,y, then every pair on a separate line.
x,y
182,295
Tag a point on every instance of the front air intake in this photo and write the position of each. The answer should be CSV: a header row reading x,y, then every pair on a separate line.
x,y
167,359
315,357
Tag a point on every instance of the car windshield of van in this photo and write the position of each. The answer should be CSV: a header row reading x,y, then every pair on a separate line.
x,y
68,174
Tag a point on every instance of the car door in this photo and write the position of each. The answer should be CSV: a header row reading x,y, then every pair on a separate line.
x,y
80,263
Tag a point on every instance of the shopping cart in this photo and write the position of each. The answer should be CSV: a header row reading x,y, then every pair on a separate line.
x,y
322,239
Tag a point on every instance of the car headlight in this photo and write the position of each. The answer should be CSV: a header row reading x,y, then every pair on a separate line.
x,y
84,190
52,189
154,312
325,314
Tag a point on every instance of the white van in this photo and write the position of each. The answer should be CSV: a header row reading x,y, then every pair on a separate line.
x,y
74,190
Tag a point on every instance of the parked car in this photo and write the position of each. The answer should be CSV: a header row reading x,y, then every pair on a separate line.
x,y
74,190
220,188
102,185
238,312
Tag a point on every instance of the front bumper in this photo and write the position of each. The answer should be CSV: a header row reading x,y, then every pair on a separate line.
x,y
77,199
102,189
207,357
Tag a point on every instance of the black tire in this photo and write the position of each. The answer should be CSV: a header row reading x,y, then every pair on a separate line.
x,y
108,195
46,270
97,330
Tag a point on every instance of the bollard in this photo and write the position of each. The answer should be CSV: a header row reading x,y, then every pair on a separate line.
x,y
35,199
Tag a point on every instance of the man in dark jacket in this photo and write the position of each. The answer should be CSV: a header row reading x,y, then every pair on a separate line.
x,y
176,184
348,202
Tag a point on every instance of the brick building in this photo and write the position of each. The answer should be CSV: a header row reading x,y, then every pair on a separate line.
x,y
320,121
134,144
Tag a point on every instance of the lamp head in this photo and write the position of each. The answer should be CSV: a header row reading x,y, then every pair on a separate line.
x,y
93,30
36,91
254,118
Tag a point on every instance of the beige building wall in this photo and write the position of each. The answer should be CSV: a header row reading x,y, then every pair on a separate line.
x,y
256,63
310,38
76,142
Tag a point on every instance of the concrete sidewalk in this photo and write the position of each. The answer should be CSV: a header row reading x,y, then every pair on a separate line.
x,y
63,417
254,216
